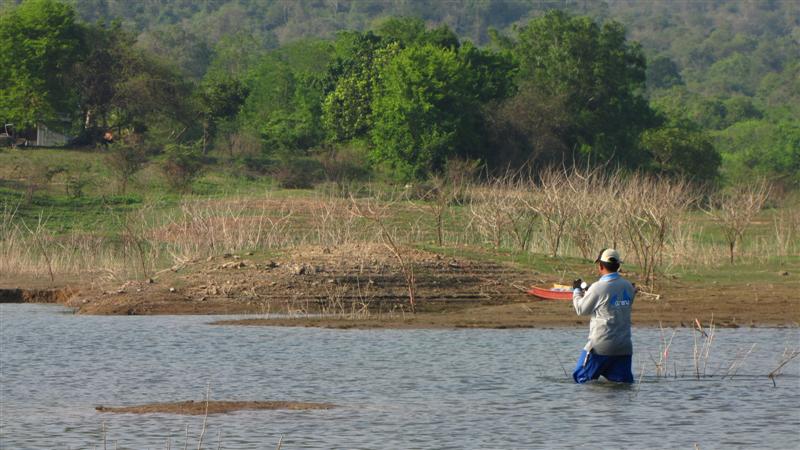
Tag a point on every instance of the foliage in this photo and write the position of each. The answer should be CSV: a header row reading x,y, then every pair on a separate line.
x,y
141,94
218,99
663,73
679,152
347,109
181,165
425,112
527,129
286,91
39,39
762,149
298,173
600,75
550,87
125,160
411,31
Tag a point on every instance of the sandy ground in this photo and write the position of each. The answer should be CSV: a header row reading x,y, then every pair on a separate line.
x,y
362,286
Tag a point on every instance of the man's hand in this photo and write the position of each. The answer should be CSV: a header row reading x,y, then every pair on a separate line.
x,y
577,284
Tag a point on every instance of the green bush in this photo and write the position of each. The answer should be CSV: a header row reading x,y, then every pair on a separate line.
x,y
298,173
181,165
345,164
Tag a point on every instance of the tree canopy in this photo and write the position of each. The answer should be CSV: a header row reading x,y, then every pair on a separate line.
x,y
677,88
39,40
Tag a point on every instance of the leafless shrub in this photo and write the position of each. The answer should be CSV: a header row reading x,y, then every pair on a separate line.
x,y
39,234
650,208
35,250
737,361
332,221
589,194
447,190
377,213
499,210
125,161
662,365
244,144
787,231
788,356
203,228
552,203
702,347
135,228
734,209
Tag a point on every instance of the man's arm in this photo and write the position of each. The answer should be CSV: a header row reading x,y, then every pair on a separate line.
x,y
584,301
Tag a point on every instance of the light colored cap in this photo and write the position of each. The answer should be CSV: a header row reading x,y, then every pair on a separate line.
x,y
609,255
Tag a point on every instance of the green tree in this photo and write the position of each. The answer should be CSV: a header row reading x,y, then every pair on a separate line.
x,y
408,31
98,72
599,73
761,149
425,111
353,75
681,152
149,91
39,41
528,128
662,73
218,99
184,47
286,90
181,165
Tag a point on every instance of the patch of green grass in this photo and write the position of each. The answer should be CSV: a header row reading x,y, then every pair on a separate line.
x,y
744,272
564,267
61,213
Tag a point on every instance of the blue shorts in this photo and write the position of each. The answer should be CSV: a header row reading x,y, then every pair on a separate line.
x,y
614,368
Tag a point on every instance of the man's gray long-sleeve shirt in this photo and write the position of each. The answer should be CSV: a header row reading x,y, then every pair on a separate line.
x,y
609,302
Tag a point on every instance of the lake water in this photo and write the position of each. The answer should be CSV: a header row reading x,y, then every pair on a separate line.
x,y
458,389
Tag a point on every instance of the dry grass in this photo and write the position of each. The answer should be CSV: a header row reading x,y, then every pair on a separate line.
x,y
652,221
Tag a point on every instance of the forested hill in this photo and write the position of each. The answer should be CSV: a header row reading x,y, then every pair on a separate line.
x,y
727,65
720,47
669,85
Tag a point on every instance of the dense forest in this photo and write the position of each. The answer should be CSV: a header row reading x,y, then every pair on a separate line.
x,y
341,89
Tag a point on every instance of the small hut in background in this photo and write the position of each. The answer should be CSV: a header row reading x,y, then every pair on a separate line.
x,y
47,137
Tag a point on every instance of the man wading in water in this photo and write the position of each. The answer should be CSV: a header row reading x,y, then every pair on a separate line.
x,y
608,301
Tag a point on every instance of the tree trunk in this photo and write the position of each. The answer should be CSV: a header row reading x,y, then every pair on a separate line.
x,y
439,226
205,137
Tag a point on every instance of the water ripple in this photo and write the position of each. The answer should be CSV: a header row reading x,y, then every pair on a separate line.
x,y
395,389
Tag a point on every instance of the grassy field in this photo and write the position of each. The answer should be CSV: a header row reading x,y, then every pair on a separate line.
x,y
63,213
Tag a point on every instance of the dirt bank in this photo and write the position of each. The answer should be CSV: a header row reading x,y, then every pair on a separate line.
x,y
17,295
363,286
213,407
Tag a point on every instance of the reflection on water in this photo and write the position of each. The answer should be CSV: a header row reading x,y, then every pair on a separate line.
x,y
395,389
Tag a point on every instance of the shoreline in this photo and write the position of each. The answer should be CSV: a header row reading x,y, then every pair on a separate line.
x,y
363,287
496,314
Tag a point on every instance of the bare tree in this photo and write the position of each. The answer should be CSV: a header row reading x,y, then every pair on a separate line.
x,y
734,209
378,214
447,190
499,209
651,207
553,204
125,161
588,193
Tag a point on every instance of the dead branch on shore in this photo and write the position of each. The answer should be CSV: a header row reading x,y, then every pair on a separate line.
x,y
377,215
